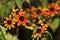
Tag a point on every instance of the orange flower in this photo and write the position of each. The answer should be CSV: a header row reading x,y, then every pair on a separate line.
x,y
34,14
43,28
31,27
37,12
44,13
15,12
22,18
33,9
9,22
43,23
52,9
36,35
39,32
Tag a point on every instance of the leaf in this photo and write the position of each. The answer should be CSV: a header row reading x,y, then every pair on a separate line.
x,y
54,24
44,3
8,36
19,3
35,3
2,36
2,11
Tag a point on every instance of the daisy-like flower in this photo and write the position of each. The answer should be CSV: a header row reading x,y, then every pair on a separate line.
x,y
39,10
43,23
52,9
9,22
33,9
39,32
37,13
31,26
22,18
15,12
34,14
44,13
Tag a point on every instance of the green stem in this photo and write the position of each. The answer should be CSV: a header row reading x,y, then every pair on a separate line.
x,y
2,33
50,34
37,38
32,38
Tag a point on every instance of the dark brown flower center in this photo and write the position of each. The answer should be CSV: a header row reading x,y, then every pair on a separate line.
x,y
38,30
21,18
28,24
17,12
9,22
51,9
39,25
36,20
38,11
44,22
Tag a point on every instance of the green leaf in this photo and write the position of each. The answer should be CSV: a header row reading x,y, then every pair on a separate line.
x,y
54,24
44,3
2,11
19,3
2,36
35,3
7,36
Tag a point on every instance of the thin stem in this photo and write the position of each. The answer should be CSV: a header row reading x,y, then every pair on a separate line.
x,y
37,38
50,34
32,38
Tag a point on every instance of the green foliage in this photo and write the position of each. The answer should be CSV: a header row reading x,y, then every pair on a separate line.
x,y
44,3
4,36
19,3
54,24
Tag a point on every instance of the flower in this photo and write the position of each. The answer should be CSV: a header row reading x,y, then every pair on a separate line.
x,y
22,18
37,12
45,13
43,28
36,35
33,9
34,14
52,9
15,12
43,23
9,22
39,31
31,26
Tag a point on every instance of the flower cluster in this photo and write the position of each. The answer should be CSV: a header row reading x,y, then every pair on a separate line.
x,y
33,19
